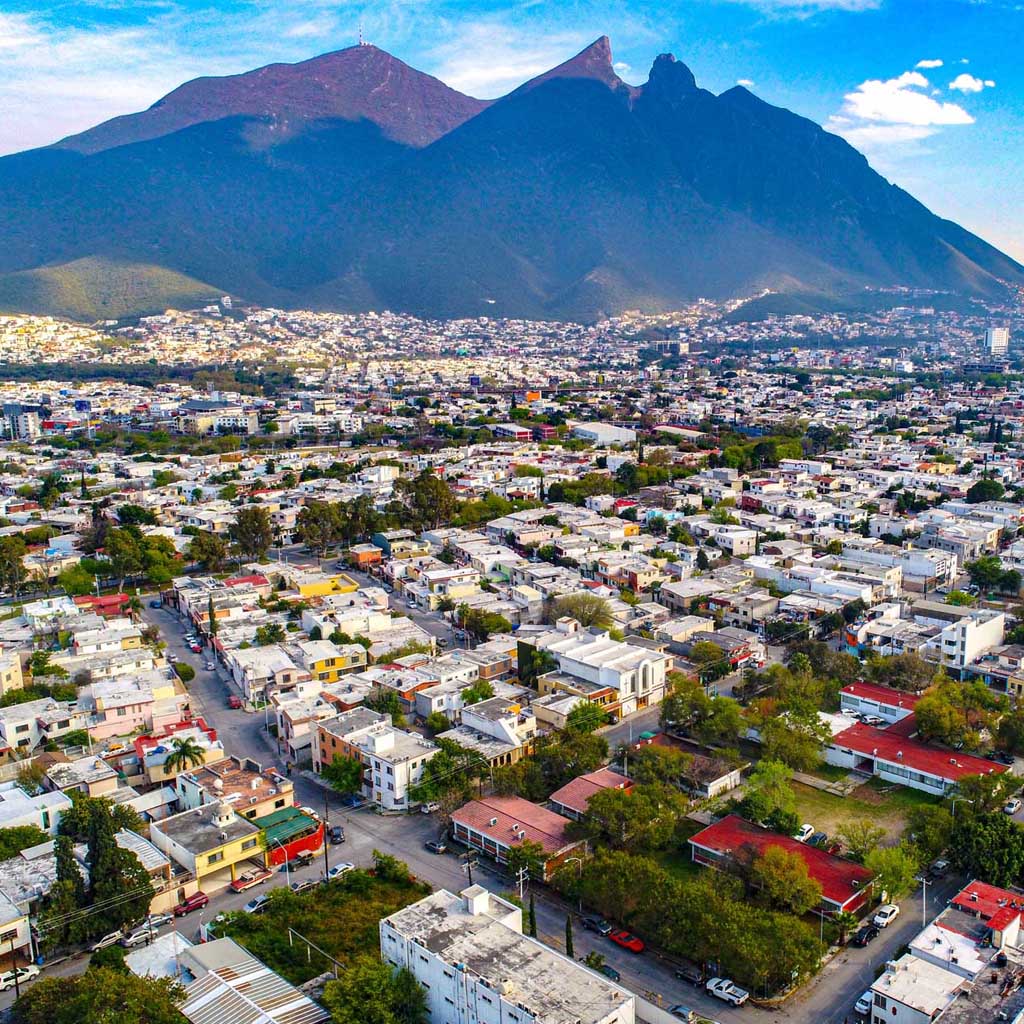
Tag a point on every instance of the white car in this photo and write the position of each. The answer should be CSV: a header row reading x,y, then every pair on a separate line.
x,y
24,974
256,904
310,812
340,869
724,989
141,935
803,833
864,1004
1012,806
108,940
886,915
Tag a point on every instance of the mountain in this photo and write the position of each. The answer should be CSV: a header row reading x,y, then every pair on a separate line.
x,y
352,181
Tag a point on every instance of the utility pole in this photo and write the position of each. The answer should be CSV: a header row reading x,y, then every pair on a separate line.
x,y
327,866
523,876
14,968
924,901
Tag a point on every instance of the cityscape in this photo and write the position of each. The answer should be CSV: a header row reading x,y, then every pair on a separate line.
x,y
641,643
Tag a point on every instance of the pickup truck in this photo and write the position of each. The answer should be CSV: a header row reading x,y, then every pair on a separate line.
x,y
724,989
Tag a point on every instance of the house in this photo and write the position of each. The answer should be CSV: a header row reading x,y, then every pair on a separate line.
x,y
881,701
289,832
913,991
256,671
895,758
495,824
211,842
327,662
43,810
571,800
474,963
243,784
501,731
843,883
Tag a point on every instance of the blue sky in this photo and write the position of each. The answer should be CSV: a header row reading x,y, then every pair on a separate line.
x,y
929,90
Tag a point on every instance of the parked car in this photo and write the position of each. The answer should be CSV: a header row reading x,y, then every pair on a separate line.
x,y
302,860
196,901
627,940
196,649
24,974
886,915
597,924
435,846
429,807
864,1004
688,1016
693,975
938,868
1012,806
337,834
818,839
310,812
147,933
609,972
340,869
803,833
210,666
234,701
868,933
727,991
873,720
108,940
256,904
156,604
835,849
247,879
159,920
303,884
441,642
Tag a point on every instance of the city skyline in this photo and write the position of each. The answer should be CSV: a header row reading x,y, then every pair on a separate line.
x,y
924,91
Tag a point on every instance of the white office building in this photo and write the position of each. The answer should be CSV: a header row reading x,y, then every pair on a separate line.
x,y
997,340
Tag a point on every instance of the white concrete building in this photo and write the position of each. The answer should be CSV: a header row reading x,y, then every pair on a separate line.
x,y
964,641
913,991
43,810
470,955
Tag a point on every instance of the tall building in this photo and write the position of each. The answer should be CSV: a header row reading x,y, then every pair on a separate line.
x,y
997,340
469,954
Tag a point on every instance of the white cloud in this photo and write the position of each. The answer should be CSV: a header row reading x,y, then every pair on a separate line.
x,y
805,8
621,66
747,83
900,101
966,83
928,64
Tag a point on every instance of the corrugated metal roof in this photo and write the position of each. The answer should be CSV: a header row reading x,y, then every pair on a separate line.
x,y
248,993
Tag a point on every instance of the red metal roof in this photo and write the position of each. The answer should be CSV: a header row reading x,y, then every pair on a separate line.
x,y
540,825
841,880
577,793
943,764
255,580
882,694
989,902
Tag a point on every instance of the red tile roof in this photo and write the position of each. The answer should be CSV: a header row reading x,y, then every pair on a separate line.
x,y
540,825
577,793
943,764
840,880
882,694
256,580
991,903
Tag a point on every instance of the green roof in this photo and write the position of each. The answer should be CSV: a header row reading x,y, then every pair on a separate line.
x,y
283,825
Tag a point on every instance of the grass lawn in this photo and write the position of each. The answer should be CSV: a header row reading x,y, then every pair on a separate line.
x,y
879,803
830,772
677,863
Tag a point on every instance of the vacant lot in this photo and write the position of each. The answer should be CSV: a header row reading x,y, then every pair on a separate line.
x,y
879,803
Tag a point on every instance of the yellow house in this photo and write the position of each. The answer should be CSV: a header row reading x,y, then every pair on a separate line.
x,y
327,662
11,677
630,529
326,584
211,842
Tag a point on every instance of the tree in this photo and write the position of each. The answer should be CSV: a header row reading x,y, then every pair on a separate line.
x,y
586,717
78,821
795,739
135,515
929,828
429,499
529,855
185,753
703,562
570,952
12,564
985,490
686,703
723,724
211,616
437,721
208,550
480,690
20,837
588,610
845,922
110,996
784,882
768,790
984,793
124,551
894,868
62,921
985,572
272,633
645,819
76,580
652,764
988,846
860,837
186,673
345,774
370,991
318,526
902,672
252,531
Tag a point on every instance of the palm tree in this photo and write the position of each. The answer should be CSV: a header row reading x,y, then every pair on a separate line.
x,y
185,754
845,922
446,605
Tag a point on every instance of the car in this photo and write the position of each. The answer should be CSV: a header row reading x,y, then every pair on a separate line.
x,y
196,649
688,1016
435,846
727,991
864,1004
689,973
234,701
818,839
210,666
803,833
337,835
302,860
310,813
609,972
159,920
138,937
429,807
340,869
191,638
938,868
441,642
352,800
873,720
835,849
627,940
256,904
302,884
1012,806
196,901
156,604
110,939
864,935
886,915
22,974
247,879
597,924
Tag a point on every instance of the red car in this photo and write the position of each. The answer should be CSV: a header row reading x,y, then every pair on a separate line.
x,y
248,879
196,649
196,901
626,940
234,701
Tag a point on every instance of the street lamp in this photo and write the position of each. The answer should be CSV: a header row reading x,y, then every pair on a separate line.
x,y
964,799
287,870
579,876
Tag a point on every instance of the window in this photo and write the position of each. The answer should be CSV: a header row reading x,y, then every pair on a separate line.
x,y
249,844
215,858
278,803
8,936
21,728
121,712
880,1000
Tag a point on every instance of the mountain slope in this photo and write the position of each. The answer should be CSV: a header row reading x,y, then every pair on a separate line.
x,y
358,83
352,181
